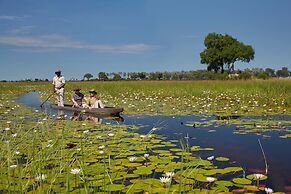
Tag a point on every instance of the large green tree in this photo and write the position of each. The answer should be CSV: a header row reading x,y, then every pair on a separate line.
x,y
88,76
224,50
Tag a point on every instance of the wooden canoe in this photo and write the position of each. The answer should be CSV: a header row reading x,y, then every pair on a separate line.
x,y
107,111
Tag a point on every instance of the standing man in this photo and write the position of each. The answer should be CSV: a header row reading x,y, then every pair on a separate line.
x,y
58,87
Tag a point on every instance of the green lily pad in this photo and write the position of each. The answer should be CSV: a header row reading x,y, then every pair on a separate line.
x,y
222,159
252,177
242,181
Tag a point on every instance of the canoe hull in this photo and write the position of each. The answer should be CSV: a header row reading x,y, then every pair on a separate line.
x,y
107,111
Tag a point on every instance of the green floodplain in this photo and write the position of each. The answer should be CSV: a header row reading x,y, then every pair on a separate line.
x,y
40,154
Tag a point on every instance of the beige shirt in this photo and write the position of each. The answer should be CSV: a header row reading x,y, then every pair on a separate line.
x,y
58,81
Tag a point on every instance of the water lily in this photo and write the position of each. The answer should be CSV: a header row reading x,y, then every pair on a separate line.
x,y
110,134
14,135
269,190
154,129
146,155
13,166
7,129
76,171
210,179
101,152
142,136
132,158
101,147
210,158
258,176
17,152
86,131
170,174
41,177
165,179
8,122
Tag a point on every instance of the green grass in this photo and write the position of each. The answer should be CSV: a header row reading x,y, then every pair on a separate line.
x,y
255,97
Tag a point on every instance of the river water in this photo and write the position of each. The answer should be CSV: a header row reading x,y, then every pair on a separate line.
x,y
243,150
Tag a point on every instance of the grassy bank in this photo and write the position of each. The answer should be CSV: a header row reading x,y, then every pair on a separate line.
x,y
252,97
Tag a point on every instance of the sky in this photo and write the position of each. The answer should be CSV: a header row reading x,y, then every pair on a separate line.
x,y
38,37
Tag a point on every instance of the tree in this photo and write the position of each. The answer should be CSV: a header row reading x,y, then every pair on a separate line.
x,y
102,76
116,77
270,72
224,50
284,72
88,76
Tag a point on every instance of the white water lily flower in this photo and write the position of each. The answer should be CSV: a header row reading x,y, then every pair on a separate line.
x,y
14,135
142,136
132,158
78,149
13,166
75,171
41,177
170,174
154,129
210,158
44,119
7,129
86,131
36,110
210,179
146,155
101,147
84,124
98,137
269,190
165,179
101,152
17,152
258,176
49,146
8,122
110,134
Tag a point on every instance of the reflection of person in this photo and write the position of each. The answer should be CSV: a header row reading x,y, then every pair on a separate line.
x,y
77,98
93,100
59,86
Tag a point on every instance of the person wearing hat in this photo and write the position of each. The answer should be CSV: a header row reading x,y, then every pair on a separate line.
x,y
77,98
93,101
59,87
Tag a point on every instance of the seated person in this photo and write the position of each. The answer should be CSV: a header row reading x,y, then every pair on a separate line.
x,y
93,100
77,98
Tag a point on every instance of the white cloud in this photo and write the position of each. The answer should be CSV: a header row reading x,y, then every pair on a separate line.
x,y
58,42
21,30
13,18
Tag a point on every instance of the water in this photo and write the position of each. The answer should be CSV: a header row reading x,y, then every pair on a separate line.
x,y
244,150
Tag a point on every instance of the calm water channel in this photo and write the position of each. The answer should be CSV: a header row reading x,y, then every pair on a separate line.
x,y
244,150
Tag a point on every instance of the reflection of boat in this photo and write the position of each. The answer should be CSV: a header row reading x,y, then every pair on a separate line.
x,y
107,111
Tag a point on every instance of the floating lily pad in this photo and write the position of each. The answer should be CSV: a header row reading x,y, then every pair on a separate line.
x,y
242,181
252,177
222,159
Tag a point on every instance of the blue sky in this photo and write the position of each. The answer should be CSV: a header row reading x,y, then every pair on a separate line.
x,y
39,36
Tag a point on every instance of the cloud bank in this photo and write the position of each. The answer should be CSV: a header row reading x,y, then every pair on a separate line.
x,y
56,42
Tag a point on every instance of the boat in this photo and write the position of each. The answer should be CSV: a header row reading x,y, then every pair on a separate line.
x,y
106,111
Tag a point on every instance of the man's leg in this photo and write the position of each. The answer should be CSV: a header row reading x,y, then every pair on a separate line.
x,y
61,97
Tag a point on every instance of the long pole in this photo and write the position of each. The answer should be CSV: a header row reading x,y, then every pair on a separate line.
x,y
46,100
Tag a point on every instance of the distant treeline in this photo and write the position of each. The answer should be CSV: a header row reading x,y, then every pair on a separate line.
x,y
258,73
254,73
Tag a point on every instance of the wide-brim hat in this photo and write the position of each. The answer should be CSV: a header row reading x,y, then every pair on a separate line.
x,y
92,91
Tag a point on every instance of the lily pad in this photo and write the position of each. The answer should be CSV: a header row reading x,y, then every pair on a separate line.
x,y
242,181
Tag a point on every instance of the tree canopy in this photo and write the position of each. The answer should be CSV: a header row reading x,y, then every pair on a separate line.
x,y
224,50
88,76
